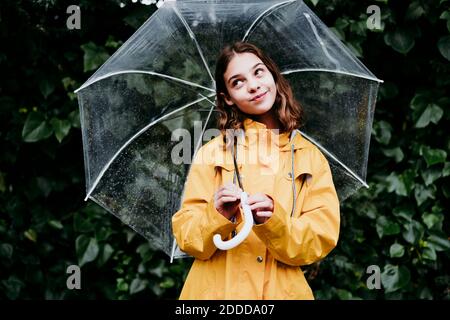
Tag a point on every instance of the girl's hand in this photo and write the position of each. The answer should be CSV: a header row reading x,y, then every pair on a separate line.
x,y
227,199
261,206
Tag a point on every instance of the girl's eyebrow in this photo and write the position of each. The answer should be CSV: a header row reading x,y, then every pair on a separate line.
x,y
237,75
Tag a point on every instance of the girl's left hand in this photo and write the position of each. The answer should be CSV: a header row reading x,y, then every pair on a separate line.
x,y
261,206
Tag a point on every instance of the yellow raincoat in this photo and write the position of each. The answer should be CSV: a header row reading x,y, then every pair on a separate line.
x,y
267,264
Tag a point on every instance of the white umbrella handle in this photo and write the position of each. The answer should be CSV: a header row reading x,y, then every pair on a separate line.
x,y
243,234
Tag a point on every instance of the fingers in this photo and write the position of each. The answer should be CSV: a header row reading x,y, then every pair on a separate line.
x,y
267,214
262,205
228,193
229,189
257,197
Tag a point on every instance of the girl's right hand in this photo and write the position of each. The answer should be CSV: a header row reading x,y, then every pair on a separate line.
x,y
227,199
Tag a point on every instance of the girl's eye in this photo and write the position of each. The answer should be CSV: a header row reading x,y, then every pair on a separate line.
x,y
259,69
235,82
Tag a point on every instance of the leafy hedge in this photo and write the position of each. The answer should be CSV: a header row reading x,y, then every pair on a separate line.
x,y
399,224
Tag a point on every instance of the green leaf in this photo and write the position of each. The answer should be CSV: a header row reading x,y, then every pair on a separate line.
x,y
394,277
167,283
106,253
396,184
396,250
145,252
414,11
419,102
401,40
386,227
429,254
432,219
122,285
12,287
356,48
382,132
158,270
446,170
61,128
46,87
138,285
405,211
86,248
438,243
445,15
389,90
68,83
74,118
339,33
94,56
413,232
395,153
444,47
403,184
433,156
30,234
431,175
36,128
81,224
422,193
433,113
6,251
56,224
341,23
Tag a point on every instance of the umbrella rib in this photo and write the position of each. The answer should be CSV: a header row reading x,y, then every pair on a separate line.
x,y
353,174
192,35
162,75
322,44
332,71
264,14
102,172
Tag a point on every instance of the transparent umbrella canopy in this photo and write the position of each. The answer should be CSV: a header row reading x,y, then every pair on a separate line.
x,y
159,86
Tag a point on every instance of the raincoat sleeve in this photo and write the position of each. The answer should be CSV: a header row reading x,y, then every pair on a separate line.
x,y
197,221
311,235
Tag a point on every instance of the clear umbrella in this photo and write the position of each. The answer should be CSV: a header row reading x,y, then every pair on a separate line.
x,y
159,86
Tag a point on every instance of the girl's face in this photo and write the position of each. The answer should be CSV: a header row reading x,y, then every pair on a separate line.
x,y
246,78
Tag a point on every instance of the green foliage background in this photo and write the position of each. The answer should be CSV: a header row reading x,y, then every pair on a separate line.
x,y
400,224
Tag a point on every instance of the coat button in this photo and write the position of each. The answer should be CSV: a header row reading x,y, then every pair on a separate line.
x,y
290,175
259,259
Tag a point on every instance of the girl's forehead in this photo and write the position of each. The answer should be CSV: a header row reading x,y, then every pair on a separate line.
x,y
241,63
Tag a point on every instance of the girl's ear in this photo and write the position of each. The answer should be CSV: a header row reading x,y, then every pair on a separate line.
x,y
227,100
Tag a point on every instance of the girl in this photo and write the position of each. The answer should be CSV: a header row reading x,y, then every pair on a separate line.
x,y
292,196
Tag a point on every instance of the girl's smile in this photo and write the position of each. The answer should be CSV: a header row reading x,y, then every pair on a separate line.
x,y
259,97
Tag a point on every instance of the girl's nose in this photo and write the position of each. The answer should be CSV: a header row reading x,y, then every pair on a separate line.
x,y
253,86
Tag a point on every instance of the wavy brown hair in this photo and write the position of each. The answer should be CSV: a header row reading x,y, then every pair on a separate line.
x,y
287,109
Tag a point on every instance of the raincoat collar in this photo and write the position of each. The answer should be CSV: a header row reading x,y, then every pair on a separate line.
x,y
252,127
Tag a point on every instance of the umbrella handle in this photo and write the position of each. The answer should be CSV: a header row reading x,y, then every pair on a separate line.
x,y
243,234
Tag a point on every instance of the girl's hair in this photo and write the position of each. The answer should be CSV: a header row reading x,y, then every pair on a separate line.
x,y
287,108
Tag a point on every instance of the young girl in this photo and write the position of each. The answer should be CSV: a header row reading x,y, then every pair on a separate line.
x,y
292,196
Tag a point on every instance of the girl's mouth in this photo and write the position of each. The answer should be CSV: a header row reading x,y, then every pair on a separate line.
x,y
260,97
